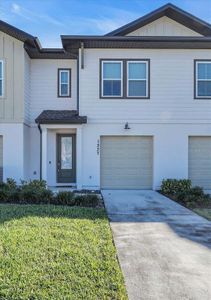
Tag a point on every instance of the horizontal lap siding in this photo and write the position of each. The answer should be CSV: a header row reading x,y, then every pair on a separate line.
x,y
171,88
200,161
126,162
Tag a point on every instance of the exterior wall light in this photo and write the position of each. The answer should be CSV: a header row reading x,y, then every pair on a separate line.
x,y
127,126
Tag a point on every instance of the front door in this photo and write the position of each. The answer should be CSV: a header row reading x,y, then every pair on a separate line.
x,y
66,158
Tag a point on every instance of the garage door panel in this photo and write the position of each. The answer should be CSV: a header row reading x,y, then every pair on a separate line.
x,y
200,161
126,162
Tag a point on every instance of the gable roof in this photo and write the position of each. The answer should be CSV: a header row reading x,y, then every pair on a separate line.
x,y
171,11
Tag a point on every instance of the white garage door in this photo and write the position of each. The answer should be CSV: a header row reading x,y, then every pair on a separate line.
x,y
200,161
1,158
126,162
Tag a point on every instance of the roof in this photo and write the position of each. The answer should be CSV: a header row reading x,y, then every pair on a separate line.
x,y
169,10
60,117
17,33
32,44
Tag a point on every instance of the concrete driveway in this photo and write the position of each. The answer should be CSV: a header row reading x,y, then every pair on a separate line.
x,y
164,249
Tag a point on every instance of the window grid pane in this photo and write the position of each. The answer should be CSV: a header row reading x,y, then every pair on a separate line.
x,y
137,88
64,76
111,79
112,70
137,70
1,70
203,80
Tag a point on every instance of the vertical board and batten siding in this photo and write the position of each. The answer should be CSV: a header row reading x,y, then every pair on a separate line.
x,y
12,102
171,88
164,26
44,86
1,158
200,161
27,87
126,162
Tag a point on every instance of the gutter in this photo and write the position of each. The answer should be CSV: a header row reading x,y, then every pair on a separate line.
x,y
40,130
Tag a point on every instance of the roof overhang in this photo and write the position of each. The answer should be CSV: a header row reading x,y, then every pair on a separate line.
x,y
73,43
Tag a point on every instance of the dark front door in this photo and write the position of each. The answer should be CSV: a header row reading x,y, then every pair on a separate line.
x,y
66,158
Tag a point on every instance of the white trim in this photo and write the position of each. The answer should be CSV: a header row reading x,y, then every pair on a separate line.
x,y
2,78
68,83
140,79
197,80
102,79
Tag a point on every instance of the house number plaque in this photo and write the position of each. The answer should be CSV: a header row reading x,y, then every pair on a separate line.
x,y
98,147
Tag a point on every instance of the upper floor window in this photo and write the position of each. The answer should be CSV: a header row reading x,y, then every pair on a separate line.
x,y
1,78
111,79
124,79
64,81
137,79
203,79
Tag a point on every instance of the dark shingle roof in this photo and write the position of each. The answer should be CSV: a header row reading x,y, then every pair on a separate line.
x,y
60,117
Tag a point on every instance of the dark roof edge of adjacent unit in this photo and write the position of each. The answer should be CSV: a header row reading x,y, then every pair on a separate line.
x,y
32,44
175,13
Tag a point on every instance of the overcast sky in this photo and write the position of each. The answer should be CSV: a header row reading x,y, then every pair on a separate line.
x,y
48,19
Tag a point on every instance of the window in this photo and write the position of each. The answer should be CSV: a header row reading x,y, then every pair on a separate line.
x,y
1,79
64,82
124,78
203,79
111,79
137,79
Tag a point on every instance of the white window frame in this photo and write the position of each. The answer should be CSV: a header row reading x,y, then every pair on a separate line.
x,y
68,83
138,79
102,79
2,78
197,80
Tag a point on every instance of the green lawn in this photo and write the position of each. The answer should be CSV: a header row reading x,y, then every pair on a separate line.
x,y
55,252
204,212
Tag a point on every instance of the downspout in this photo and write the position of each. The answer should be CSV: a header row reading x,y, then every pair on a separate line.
x,y
78,84
40,130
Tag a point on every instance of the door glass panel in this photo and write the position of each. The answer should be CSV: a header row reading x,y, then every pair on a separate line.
x,y
66,152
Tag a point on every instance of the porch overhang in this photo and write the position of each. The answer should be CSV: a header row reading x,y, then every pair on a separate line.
x,y
60,117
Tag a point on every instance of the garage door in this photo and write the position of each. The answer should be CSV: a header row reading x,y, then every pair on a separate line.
x,y
1,158
126,162
200,161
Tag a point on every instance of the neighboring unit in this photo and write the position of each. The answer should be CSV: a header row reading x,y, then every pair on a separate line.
x,y
119,111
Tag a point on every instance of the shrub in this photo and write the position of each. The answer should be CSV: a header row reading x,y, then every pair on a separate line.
x,y
193,197
89,200
65,198
175,186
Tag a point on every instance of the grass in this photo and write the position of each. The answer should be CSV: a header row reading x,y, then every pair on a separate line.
x,y
204,212
55,252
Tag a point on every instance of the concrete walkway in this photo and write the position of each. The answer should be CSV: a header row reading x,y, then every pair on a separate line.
x,y
164,249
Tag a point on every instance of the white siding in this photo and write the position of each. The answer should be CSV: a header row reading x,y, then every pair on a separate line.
x,y
171,88
12,102
164,27
13,150
27,86
44,86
